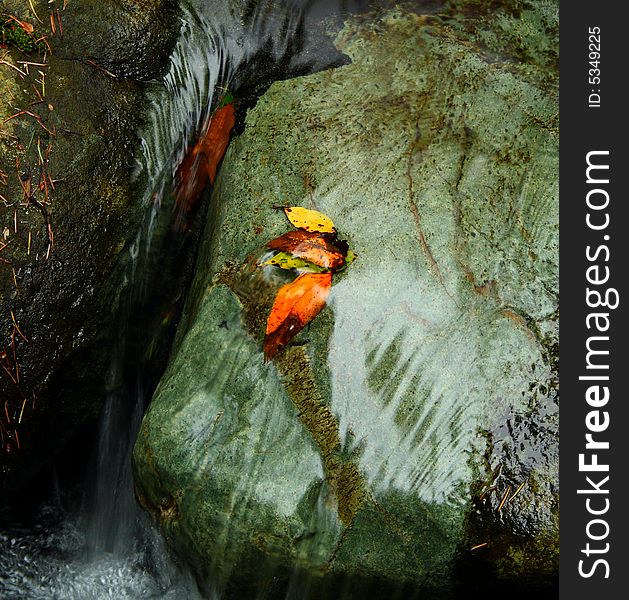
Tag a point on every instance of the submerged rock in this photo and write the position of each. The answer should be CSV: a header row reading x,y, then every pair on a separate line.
x,y
416,417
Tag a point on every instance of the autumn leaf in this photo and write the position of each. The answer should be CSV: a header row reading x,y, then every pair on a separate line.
x,y
309,220
27,27
318,248
201,162
350,257
217,138
295,305
287,261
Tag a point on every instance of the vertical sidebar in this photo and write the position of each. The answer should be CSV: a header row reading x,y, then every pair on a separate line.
x,y
594,423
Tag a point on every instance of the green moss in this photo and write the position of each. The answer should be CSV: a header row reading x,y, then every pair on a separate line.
x,y
343,475
11,34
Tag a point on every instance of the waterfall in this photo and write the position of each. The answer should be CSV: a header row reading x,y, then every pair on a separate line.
x,y
197,65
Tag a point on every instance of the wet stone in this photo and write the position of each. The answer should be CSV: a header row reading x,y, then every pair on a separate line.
x,y
415,418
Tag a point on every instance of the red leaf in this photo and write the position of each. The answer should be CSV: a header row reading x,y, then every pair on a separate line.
x,y
201,162
318,248
295,305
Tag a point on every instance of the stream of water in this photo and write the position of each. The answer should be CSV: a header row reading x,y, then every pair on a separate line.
x,y
91,540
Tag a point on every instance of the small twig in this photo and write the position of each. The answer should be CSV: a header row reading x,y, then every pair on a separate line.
x,y
8,64
28,62
45,40
30,114
97,66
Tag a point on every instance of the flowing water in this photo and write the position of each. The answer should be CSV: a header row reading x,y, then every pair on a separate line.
x,y
90,540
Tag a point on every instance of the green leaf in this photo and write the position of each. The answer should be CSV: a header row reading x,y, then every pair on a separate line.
x,y
284,260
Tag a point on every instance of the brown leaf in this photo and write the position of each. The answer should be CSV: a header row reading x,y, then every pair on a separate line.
x,y
201,162
27,27
318,248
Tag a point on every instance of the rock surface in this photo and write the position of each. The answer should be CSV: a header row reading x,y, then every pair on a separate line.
x,y
68,207
416,417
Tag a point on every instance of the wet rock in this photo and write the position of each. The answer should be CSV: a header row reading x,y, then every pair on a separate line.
x,y
131,38
69,205
415,419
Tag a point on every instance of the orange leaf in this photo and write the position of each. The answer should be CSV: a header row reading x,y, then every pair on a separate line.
x,y
295,305
320,249
201,162
217,138
27,27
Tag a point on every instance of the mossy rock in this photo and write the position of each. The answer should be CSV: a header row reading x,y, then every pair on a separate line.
x,y
365,450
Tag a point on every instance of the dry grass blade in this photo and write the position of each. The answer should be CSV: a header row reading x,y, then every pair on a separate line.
x,y
11,377
8,64
517,491
19,421
30,3
479,546
17,327
504,498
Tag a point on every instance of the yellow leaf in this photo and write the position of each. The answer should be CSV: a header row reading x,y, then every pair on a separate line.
x,y
310,220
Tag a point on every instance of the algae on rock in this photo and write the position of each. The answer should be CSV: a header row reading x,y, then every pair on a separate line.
x,y
364,449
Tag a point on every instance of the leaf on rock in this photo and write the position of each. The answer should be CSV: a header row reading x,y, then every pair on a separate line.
x,y
317,248
295,305
309,220
350,257
217,138
289,262
27,27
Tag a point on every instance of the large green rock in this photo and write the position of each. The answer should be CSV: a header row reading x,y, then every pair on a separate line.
x,y
415,418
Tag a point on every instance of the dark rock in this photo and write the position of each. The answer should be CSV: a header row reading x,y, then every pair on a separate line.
x,y
65,236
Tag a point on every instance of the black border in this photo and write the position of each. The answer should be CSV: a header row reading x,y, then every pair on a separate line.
x,y
584,129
